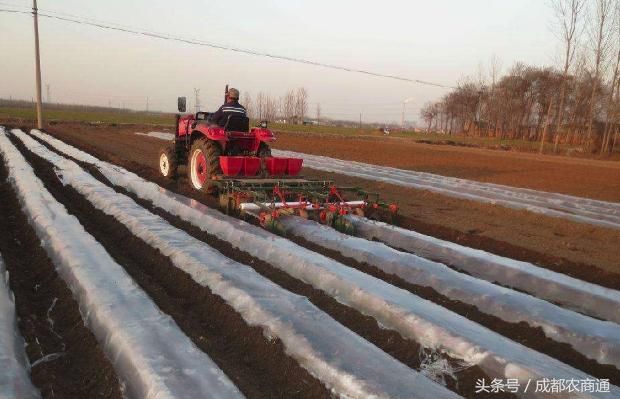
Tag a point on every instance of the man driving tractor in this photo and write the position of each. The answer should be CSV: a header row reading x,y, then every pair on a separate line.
x,y
231,107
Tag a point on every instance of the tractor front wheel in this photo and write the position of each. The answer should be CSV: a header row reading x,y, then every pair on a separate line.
x,y
204,164
168,162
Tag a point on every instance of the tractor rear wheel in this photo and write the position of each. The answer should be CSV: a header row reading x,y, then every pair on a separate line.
x,y
168,162
204,164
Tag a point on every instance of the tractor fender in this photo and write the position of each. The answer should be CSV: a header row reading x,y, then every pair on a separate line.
x,y
214,133
261,134
197,134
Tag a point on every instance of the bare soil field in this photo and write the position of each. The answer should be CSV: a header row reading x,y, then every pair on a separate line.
x,y
580,250
575,176
260,365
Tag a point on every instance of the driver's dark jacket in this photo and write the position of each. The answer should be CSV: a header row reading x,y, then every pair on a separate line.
x,y
231,108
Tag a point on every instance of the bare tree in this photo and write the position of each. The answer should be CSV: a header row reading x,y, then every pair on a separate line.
x,y
249,105
428,113
260,105
495,67
301,103
612,107
567,16
288,106
547,122
270,108
599,36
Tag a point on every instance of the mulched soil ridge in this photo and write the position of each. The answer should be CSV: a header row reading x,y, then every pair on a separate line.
x,y
405,350
589,273
520,332
82,371
523,333
258,366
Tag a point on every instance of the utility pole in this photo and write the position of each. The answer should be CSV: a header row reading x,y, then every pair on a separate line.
x,y
37,64
49,97
360,120
147,104
197,100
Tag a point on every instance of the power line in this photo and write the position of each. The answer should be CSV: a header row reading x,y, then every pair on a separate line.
x,y
109,26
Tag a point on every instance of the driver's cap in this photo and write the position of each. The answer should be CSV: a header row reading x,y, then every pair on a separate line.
x,y
233,93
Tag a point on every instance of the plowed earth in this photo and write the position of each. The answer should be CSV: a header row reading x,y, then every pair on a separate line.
x,y
260,366
580,250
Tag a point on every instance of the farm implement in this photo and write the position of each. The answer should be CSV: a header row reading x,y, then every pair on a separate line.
x,y
235,163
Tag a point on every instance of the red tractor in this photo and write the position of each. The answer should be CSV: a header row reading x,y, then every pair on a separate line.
x,y
235,162
212,151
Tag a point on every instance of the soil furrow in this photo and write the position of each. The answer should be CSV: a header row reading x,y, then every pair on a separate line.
x,y
49,317
257,365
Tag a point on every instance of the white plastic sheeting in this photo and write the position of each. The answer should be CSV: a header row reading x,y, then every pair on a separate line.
x,y
584,297
14,379
158,135
584,210
147,349
415,318
346,363
596,339
580,209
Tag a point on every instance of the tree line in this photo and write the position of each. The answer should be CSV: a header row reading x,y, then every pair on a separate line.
x,y
576,102
292,107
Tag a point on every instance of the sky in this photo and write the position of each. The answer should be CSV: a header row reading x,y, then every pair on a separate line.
x,y
441,41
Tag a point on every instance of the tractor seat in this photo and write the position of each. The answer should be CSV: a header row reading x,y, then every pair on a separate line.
x,y
237,123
